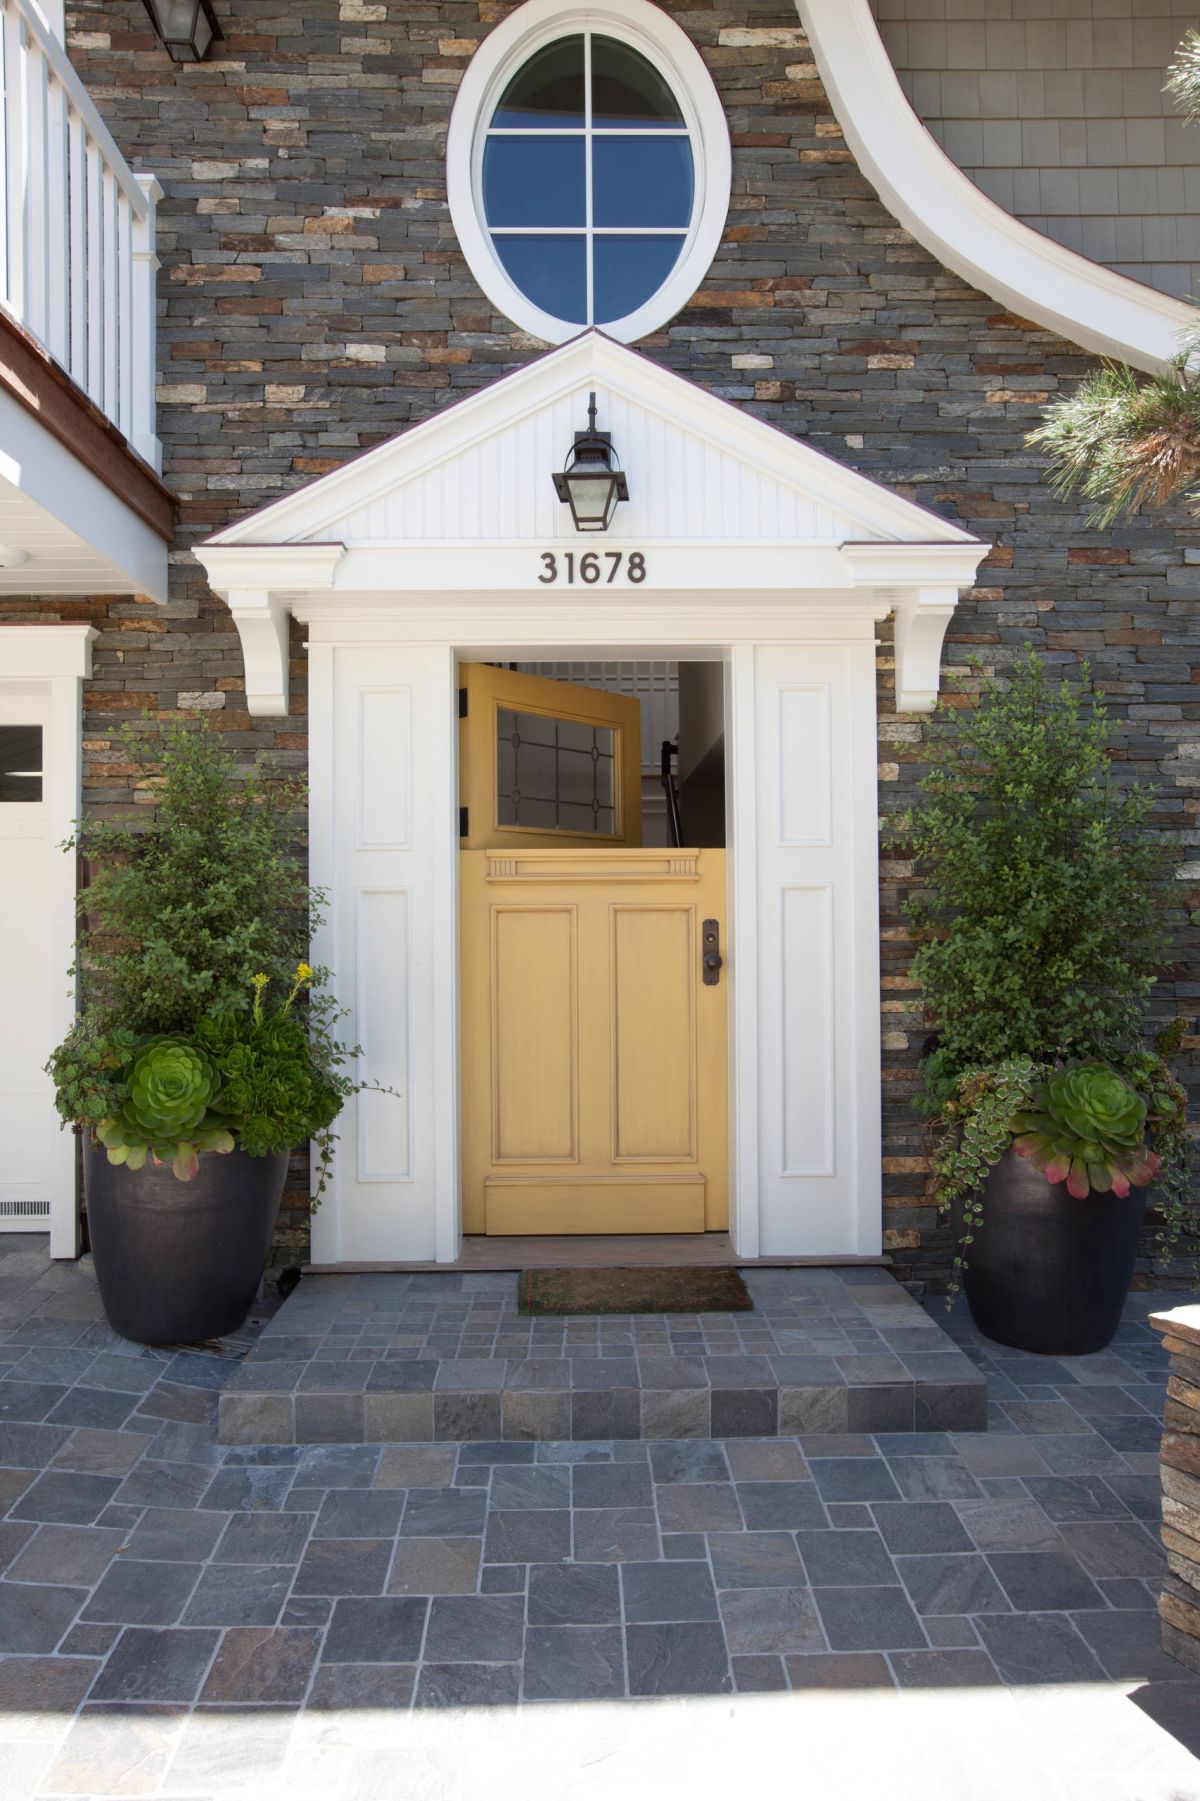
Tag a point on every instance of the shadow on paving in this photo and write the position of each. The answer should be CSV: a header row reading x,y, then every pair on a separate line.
x,y
183,1619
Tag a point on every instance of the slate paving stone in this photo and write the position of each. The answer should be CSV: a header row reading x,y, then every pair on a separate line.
x,y
576,1594
92,1407
529,1536
333,1566
698,1507
944,1669
1119,1548
931,1478
65,1498
958,1584
1074,1499
467,1685
915,1526
668,1591
154,1484
416,1466
434,1566
28,1400
868,1619
757,1460
787,1506
253,1489
259,1664
1128,1645
262,1537
359,1513
677,1659
611,1485
474,1629
443,1512
155,1665
771,1619
34,1616
848,1478
175,1535
1045,1581
615,1534
375,1629
570,1663
382,1687
51,1685
1008,1525
532,1487
64,1554
838,1670
838,1559
143,1593
238,1595
1042,1647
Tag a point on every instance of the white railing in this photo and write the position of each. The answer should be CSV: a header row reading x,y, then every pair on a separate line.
x,y
77,260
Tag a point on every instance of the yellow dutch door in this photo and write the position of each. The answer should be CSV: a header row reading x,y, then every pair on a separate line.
x,y
593,1031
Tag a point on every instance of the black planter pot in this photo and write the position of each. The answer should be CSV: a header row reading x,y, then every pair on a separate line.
x,y
1046,1272
179,1262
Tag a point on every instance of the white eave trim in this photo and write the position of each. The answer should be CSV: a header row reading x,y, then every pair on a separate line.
x,y
44,653
925,190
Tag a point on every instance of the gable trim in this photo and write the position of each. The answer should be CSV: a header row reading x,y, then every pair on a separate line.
x,y
921,186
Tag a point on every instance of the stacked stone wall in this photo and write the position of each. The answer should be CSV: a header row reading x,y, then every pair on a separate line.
x,y
313,301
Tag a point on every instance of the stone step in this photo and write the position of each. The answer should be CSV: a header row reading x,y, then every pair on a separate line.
x,y
397,1359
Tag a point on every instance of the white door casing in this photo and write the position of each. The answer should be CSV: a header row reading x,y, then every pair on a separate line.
x,y
41,672
758,552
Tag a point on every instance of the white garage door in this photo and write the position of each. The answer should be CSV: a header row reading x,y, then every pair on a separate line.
x,y
38,1161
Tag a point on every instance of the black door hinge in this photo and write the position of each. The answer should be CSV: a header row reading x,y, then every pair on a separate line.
x,y
462,703
462,822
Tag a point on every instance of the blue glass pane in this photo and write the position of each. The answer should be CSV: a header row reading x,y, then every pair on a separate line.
x,y
552,272
534,181
626,271
546,91
642,181
627,90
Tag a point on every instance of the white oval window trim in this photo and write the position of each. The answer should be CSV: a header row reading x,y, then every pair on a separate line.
x,y
503,51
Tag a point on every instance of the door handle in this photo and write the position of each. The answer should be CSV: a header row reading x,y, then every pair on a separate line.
x,y
710,940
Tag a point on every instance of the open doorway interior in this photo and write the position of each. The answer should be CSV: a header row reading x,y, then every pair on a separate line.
x,y
682,741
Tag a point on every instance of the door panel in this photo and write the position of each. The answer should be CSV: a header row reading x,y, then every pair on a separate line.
x,y
654,1032
593,1069
534,1051
547,762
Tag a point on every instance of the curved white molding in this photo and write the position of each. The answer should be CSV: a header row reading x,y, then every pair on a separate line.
x,y
668,47
931,197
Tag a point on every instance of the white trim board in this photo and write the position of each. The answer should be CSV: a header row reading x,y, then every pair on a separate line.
x,y
928,193
456,518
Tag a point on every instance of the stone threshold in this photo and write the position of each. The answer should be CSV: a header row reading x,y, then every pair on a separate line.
x,y
446,1357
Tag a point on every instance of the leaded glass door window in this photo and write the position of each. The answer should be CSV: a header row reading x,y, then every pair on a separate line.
x,y
547,762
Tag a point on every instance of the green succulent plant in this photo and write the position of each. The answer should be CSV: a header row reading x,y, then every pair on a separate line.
x,y
1087,1128
166,1113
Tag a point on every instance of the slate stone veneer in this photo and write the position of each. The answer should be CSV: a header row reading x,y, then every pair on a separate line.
x,y
1179,1603
313,301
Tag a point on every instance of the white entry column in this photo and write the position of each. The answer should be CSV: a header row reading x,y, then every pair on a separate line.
x,y
384,846
816,914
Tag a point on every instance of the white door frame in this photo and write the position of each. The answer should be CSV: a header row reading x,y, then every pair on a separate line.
x,y
403,644
47,665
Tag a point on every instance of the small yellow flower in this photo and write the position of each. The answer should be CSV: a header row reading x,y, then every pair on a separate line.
x,y
304,972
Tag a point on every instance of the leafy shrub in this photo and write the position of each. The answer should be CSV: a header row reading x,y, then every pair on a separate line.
x,y
187,929
1041,912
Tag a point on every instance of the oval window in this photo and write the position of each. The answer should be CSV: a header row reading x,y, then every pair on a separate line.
x,y
594,186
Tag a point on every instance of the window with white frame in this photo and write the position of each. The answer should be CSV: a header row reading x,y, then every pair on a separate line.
x,y
588,168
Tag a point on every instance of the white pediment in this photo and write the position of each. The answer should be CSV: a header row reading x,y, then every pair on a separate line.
x,y
700,470
460,511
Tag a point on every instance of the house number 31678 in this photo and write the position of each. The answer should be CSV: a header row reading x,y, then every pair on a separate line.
x,y
592,567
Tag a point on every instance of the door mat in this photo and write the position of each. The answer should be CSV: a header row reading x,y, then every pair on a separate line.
x,y
632,1291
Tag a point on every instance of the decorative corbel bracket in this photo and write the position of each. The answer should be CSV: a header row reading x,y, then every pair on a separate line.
x,y
922,582
259,583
